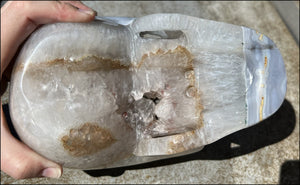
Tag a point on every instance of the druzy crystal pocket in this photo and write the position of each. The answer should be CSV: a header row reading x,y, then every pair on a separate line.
x,y
95,95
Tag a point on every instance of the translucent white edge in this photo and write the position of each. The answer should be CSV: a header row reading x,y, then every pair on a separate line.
x,y
265,76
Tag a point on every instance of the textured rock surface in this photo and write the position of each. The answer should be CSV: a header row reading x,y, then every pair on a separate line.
x,y
274,140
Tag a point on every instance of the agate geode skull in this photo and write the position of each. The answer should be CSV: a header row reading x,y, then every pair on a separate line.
x,y
93,95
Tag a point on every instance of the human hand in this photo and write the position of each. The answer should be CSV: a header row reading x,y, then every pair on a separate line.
x,y
18,21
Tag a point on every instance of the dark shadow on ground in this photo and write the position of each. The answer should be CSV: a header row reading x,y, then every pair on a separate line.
x,y
289,172
272,130
9,122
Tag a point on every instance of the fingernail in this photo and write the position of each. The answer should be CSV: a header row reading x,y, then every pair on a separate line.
x,y
51,172
90,12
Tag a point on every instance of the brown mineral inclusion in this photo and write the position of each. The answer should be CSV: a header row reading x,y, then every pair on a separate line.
x,y
86,140
90,138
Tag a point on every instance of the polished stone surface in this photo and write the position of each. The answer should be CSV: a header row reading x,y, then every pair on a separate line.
x,y
252,155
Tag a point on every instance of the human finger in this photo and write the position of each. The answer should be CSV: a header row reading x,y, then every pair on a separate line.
x,y
19,161
20,18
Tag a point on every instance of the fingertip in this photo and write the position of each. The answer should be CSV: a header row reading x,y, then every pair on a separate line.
x,y
78,4
81,7
21,162
85,15
69,13
52,172
89,12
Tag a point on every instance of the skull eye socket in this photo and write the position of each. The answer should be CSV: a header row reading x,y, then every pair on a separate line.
x,y
163,34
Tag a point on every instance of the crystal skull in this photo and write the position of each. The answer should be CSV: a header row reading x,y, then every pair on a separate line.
x,y
94,95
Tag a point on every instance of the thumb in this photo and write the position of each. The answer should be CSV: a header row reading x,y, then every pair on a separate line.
x,y
20,18
20,162
48,12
